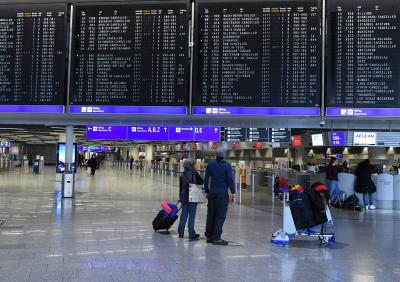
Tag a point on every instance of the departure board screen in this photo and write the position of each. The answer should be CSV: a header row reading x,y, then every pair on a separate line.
x,y
257,54
130,55
363,74
32,56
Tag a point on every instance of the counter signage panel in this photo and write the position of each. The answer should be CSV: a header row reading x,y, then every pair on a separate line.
x,y
257,58
363,63
338,138
364,138
279,135
32,58
235,134
106,132
130,55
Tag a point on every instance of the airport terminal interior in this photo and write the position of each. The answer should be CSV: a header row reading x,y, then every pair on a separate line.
x,y
288,108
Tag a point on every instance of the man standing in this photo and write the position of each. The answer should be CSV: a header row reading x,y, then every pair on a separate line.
x,y
93,164
220,173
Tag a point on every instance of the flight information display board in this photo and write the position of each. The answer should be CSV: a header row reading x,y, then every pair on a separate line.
x,y
363,58
257,58
32,57
130,55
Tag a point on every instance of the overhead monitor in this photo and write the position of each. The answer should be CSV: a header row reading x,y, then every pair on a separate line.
x,y
363,49
364,138
317,139
257,58
32,58
130,58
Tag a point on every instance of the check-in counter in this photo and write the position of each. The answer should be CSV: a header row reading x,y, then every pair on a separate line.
x,y
396,192
300,178
384,191
346,183
387,189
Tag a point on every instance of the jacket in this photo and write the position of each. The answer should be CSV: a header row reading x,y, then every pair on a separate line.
x,y
220,173
187,177
309,209
332,172
364,183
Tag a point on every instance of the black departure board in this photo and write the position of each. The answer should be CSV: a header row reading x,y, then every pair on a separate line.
x,y
32,54
258,54
235,134
130,54
279,135
363,54
257,134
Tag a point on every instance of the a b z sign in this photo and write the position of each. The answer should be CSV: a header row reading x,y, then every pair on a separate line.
x,y
364,138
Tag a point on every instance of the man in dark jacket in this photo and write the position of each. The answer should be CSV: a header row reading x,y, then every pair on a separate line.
x,y
189,175
364,183
93,165
220,173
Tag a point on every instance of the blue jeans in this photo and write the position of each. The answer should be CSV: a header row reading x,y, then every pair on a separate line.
x,y
188,209
334,191
371,199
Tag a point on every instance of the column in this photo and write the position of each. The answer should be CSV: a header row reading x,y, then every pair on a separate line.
x,y
69,176
69,148
149,150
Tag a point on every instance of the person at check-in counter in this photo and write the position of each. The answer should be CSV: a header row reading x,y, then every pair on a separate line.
x,y
364,183
332,171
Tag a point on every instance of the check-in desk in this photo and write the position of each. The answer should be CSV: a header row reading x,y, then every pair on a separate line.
x,y
384,190
346,183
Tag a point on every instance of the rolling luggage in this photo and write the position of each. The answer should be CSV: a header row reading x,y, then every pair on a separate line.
x,y
163,220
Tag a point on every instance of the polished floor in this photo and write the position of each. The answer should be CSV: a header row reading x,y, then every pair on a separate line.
x,y
105,234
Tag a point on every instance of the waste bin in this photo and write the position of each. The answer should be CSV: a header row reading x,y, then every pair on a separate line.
x,y
68,185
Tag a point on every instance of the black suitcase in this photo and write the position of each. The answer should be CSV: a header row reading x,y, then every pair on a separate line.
x,y
165,222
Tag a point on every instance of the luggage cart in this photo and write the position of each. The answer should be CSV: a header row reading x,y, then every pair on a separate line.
x,y
282,236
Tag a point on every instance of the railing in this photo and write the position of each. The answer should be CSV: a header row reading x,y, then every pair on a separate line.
x,y
169,179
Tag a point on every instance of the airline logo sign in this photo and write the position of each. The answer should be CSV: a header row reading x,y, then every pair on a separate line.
x,y
364,139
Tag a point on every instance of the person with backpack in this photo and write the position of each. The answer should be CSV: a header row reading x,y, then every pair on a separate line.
x,y
188,176
364,183
217,180
332,171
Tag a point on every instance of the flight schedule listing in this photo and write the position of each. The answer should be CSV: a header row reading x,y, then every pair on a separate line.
x,y
32,54
364,47
131,55
258,54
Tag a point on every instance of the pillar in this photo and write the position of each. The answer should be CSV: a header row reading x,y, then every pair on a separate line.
x,y
69,148
149,150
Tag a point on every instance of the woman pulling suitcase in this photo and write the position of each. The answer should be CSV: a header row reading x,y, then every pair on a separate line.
x,y
188,176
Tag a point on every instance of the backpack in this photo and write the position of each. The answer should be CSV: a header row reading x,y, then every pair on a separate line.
x,y
351,202
280,184
323,199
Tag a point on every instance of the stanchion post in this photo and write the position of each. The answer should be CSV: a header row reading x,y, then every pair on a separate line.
x,y
240,190
252,185
272,187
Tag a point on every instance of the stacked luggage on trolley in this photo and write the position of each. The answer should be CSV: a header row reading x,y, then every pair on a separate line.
x,y
305,213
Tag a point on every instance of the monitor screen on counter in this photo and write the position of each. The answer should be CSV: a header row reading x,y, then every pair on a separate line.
x,y
317,139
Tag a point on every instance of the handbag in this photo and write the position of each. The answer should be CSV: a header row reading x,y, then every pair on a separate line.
x,y
196,193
